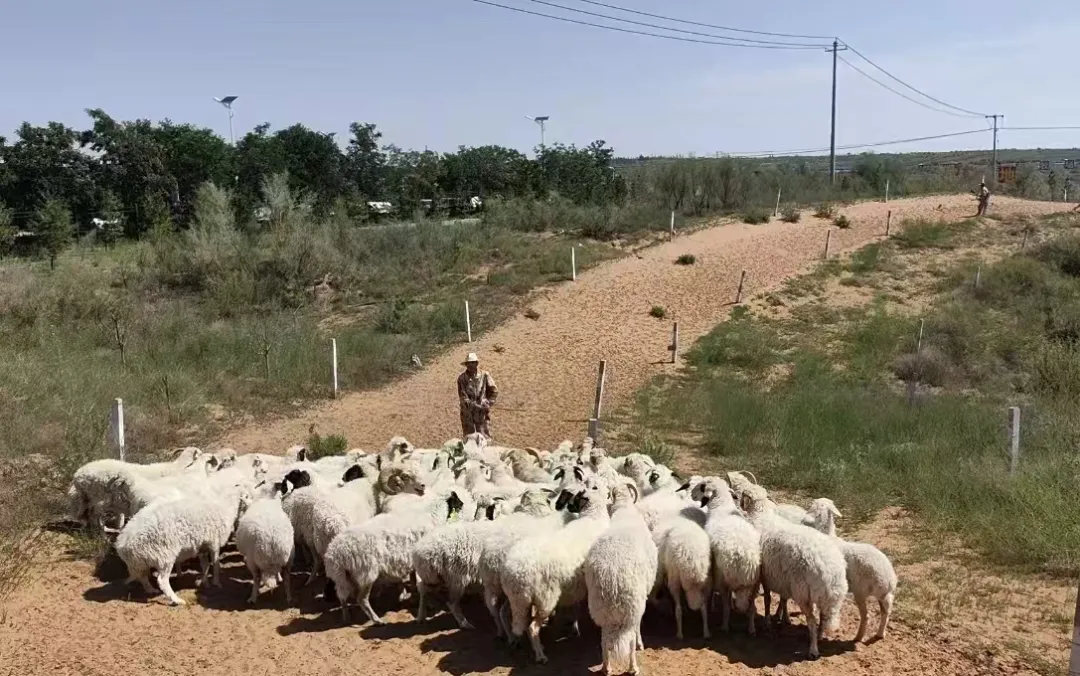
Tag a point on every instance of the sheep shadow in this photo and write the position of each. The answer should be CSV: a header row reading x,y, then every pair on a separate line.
x,y
327,612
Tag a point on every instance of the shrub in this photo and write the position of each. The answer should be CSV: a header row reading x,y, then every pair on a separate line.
x,y
825,210
790,215
928,366
686,259
757,216
658,311
320,446
842,222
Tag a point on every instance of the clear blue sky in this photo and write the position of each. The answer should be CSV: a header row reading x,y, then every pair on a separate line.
x,y
440,73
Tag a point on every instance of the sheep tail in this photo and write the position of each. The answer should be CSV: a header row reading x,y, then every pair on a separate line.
x,y
618,645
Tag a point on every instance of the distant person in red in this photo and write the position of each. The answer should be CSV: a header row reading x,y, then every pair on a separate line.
x,y
476,394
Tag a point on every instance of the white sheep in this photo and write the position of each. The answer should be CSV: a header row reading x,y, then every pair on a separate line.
x,y
335,509
620,568
450,556
736,550
870,574
801,564
90,495
543,571
167,532
382,547
265,538
685,566
535,514
665,498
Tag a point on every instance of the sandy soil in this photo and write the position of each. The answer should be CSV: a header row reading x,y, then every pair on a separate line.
x,y
75,620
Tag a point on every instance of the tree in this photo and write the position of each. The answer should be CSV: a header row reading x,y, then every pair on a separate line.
x,y
365,166
46,162
53,226
112,213
7,230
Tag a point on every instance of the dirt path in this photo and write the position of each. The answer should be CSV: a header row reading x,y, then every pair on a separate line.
x,y
547,370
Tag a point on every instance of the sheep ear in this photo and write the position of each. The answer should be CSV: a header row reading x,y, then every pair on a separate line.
x,y
301,455
490,512
353,473
559,474
684,487
579,473
835,512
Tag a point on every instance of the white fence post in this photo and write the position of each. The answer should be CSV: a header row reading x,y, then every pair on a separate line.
x,y
776,212
1074,654
573,263
672,222
918,345
886,191
116,427
1014,439
333,365
468,322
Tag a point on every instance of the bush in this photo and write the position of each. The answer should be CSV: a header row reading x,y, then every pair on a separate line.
x,y
842,222
825,210
320,446
790,215
658,312
928,367
757,216
686,259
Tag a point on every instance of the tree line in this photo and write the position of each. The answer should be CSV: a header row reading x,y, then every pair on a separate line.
x,y
141,173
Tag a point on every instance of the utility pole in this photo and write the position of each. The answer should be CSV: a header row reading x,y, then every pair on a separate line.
x,y
994,169
832,134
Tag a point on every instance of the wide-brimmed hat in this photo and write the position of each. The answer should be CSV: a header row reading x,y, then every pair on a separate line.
x,y
471,358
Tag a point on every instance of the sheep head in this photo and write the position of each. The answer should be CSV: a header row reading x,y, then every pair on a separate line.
x,y
593,497
186,456
397,478
297,453
713,491
754,500
824,513
624,493
226,457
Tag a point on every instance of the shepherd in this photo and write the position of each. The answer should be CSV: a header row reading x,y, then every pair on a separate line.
x,y
476,394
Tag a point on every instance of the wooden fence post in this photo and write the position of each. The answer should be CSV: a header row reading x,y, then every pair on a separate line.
x,y
1014,439
738,294
675,343
116,427
828,240
888,224
333,365
1074,654
600,376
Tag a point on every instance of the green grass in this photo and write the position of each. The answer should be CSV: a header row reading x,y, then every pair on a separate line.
x,y
815,403
842,222
825,210
922,234
686,259
657,311
790,215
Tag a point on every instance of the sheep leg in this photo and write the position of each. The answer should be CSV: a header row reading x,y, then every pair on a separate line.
x,y
577,616
725,610
885,606
287,583
163,583
215,559
860,603
677,600
363,594
640,643
204,565
256,578
454,604
421,613
767,598
705,619
316,565
811,627
491,600
633,660
144,580
534,637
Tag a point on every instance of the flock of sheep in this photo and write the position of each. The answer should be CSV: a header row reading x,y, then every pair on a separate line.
x,y
533,531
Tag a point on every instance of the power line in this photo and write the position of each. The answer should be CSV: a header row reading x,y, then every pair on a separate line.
x,y
674,30
1037,128
781,153
636,32
860,71
706,25
917,91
